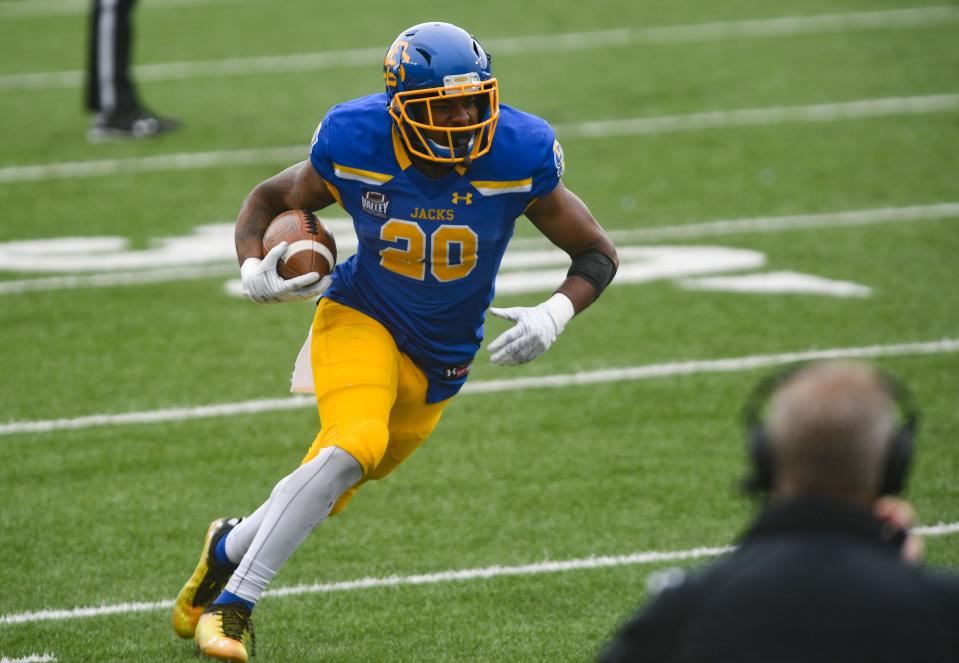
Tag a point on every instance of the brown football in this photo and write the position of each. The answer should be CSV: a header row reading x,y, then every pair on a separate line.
x,y
311,244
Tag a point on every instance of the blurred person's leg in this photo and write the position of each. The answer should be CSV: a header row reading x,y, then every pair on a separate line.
x,y
110,90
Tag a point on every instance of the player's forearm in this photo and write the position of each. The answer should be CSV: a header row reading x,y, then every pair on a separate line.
x,y
579,292
257,211
297,187
591,271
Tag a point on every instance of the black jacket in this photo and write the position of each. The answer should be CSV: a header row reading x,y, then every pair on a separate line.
x,y
811,582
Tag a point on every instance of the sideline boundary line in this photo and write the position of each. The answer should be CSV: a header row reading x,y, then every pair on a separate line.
x,y
460,575
783,26
630,373
745,117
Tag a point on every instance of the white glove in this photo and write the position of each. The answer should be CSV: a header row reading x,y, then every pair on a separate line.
x,y
261,283
535,330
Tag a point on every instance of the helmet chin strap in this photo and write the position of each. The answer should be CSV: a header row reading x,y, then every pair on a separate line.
x,y
446,153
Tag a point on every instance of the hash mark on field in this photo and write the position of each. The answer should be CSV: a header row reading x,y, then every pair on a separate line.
x,y
32,658
597,129
629,373
579,41
458,575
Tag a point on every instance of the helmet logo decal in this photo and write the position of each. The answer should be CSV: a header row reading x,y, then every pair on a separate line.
x,y
398,45
389,62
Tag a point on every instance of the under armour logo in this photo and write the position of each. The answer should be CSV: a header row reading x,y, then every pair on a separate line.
x,y
466,198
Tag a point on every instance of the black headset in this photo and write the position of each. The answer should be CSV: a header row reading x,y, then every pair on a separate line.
x,y
760,450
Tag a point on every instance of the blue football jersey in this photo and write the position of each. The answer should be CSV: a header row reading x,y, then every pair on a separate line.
x,y
429,249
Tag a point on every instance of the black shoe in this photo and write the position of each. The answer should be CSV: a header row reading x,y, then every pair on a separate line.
x,y
136,123
208,580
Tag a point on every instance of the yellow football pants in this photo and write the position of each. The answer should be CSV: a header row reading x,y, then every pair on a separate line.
x,y
371,396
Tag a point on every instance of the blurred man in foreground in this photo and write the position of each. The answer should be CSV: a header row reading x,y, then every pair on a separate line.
x,y
828,571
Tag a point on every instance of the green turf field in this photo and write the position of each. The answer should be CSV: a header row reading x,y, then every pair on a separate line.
x,y
780,125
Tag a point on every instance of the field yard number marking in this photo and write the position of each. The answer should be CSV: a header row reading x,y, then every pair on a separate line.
x,y
694,267
205,245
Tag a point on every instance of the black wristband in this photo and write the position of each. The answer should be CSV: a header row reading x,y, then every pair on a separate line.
x,y
595,267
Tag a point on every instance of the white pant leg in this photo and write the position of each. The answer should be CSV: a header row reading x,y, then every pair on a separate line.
x,y
299,503
240,537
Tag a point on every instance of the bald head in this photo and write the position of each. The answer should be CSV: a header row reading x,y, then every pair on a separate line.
x,y
830,426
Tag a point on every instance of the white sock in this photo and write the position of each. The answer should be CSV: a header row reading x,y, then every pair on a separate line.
x,y
297,505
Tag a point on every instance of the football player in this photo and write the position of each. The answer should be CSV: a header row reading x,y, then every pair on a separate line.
x,y
434,174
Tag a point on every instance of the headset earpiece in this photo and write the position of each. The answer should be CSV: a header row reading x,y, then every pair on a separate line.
x,y
760,478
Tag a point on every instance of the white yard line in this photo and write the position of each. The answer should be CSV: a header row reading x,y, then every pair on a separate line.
x,y
720,30
42,8
751,117
112,279
160,416
32,658
457,575
938,530
520,45
597,129
181,161
493,386
769,224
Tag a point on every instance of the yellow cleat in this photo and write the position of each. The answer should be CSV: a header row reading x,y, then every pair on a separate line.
x,y
224,631
208,580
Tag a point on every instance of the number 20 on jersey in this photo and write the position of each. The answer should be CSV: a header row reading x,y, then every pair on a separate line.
x,y
451,249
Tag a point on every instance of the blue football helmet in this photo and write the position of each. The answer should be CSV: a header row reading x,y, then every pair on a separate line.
x,y
427,64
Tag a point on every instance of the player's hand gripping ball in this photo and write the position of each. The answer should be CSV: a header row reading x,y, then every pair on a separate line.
x,y
311,244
